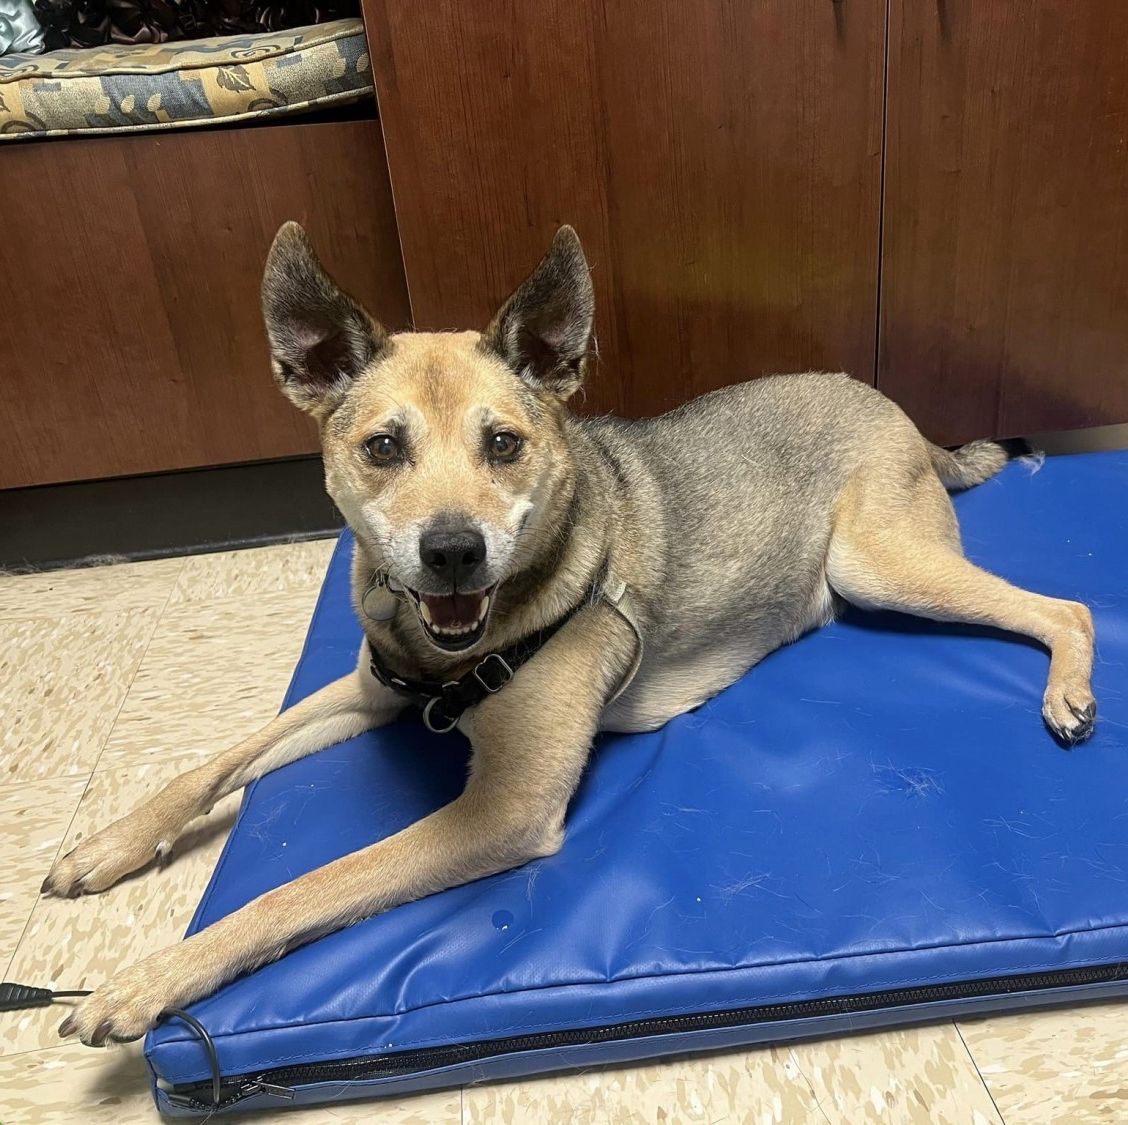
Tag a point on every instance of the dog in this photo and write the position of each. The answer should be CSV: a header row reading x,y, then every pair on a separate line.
x,y
532,577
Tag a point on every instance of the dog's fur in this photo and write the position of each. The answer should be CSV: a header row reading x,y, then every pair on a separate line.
x,y
736,521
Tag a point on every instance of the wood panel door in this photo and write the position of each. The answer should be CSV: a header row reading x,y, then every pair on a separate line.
x,y
1004,306
129,287
720,161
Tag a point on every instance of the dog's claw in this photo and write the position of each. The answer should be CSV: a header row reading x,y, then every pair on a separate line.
x,y
46,885
67,1027
1086,719
1070,722
1068,737
101,1033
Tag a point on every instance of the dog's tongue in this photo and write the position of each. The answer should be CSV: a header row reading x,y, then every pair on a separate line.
x,y
451,610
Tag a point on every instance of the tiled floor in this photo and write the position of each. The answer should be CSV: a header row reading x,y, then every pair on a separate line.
x,y
112,680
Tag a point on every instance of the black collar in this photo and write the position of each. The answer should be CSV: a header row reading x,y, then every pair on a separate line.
x,y
444,702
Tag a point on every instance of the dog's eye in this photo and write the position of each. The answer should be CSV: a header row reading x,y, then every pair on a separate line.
x,y
504,446
383,449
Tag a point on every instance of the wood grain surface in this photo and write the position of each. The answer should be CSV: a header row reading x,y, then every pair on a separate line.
x,y
720,161
1005,265
129,284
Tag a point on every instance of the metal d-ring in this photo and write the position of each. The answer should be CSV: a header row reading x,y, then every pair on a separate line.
x,y
429,723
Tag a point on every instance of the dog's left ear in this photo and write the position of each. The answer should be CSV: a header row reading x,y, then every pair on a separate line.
x,y
320,338
544,329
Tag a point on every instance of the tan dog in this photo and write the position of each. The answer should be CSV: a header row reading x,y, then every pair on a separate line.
x,y
621,572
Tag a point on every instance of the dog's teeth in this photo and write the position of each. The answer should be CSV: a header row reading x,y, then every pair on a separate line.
x,y
454,630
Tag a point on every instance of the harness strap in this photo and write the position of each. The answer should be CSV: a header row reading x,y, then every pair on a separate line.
x,y
617,595
443,703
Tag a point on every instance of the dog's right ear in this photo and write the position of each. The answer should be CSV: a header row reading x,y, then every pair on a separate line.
x,y
544,329
320,338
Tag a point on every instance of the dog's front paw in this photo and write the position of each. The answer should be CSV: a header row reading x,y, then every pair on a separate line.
x,y
127,1005
1071,714
101,860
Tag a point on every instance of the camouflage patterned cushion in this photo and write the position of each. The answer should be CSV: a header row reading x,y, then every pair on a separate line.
x,y
114,89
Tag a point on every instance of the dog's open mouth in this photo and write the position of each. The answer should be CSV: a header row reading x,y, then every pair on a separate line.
x,y
454,621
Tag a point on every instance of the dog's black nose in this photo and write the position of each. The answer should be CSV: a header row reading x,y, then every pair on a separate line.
x,y
454,554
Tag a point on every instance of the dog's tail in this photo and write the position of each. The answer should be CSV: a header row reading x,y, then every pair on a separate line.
x,y
969,465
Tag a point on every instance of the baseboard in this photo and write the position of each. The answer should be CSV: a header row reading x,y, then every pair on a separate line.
x,y
147,517
1095,439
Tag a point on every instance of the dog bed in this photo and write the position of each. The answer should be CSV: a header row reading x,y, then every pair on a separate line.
x,y
216,81
871,828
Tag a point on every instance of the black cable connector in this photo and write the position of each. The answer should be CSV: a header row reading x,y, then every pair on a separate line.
x,y
16,997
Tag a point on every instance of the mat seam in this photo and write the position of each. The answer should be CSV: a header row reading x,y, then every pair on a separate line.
x,y
759,1001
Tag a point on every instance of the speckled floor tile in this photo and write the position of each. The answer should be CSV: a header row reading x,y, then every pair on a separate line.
x,y
214,673
71,1083
256,571
914,1076
1065,1067
95,589
33,819
750,1086
79,943
62,682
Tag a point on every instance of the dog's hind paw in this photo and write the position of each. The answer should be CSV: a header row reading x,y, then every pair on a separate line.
x,y
1070,715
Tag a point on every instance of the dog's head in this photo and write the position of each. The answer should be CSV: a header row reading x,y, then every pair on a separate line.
x,y
441,449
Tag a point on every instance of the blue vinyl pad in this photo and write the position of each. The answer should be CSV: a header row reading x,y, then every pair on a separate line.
x,y
871,827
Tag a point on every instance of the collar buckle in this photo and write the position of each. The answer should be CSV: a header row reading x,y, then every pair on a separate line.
x,y
500,675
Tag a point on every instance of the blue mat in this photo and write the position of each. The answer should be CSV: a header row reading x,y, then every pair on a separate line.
x,y
872,827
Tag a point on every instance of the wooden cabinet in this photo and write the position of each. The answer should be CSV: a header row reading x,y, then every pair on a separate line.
x,y
721,162
130,290
1004,286
939,206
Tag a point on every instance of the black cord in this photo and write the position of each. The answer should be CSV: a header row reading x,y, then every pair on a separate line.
x,y
17,997
209,1047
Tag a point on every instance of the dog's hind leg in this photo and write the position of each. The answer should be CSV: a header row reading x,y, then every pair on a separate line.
x,y
347,707
895,545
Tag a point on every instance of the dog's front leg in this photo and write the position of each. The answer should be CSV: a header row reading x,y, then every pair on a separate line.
x,y
530,745
347,707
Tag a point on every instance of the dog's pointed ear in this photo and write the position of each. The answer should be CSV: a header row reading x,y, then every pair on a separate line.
x,y
320,338
543,331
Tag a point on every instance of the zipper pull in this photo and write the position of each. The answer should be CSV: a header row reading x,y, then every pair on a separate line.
x,y
259,1086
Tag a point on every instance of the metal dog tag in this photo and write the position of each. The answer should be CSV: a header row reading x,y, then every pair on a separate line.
x,y
377,601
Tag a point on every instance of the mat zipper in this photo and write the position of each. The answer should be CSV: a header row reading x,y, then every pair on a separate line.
x,y
282,1081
